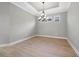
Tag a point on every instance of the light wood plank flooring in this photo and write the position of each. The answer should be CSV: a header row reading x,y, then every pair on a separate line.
x,y
39,47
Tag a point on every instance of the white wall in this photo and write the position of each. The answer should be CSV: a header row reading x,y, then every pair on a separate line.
x,y
53,28
22,24
73,24
4,23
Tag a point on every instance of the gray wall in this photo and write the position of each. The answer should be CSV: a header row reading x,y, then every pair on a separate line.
x,y
4,23
73,24
22,24
15,23
53,28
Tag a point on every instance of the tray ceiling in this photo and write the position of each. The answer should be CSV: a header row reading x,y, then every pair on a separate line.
x,y
48,5
35,8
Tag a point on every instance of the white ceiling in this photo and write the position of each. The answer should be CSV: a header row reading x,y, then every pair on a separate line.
x,y
48,5
34,8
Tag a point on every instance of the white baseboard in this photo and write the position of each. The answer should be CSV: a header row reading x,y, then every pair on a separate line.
x,y
4,45
75,49
52,36
21,40
12,43
77,52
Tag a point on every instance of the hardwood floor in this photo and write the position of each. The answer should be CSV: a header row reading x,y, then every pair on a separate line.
x,y
39,47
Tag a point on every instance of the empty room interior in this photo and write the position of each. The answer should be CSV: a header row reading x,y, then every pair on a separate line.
x,y
39,29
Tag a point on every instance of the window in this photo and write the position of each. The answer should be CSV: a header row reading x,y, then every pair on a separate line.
x,y
57,18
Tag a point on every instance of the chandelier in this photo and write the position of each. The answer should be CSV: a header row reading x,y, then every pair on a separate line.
x,y
43,17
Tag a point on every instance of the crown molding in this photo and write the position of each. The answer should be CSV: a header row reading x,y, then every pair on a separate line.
x,y
27,7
